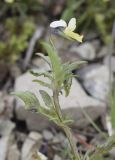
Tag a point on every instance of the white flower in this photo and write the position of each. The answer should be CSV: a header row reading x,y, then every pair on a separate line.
x,y
68,29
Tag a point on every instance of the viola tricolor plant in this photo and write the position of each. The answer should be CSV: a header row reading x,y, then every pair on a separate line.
x,y
60,79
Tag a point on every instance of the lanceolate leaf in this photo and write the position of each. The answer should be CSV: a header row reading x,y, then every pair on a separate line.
x,y
55,60
67,86
106,147
45,58
48,113
46,98
45,74
43,83
28,98
73,66
102,150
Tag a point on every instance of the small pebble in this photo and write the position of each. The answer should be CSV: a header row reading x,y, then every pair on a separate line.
x,y
47,135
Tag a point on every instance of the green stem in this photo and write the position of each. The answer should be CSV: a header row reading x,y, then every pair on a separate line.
x,y
66,129
57,106
72,143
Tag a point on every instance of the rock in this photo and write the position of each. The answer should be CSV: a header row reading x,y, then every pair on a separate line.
x,y
20,136
56,157
96,44
2,107
39,62
78,99
98,140
68,56
6,105
6,127
110,62
35,136
42,156
91,35
61,138
96,81
47,135
70,105
13,153
15,71
86,51
30,145
103,52
4,141
112,152
34,121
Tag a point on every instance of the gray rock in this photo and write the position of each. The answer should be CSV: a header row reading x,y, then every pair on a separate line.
x,y
47,135
96,44
20,136
35,136
96,81
61,138
13,153
6,105
112,152
42,157
4,141
6,127
15,71
86,51
103,52
39,62
56,157
70,105
91,35
2,107
34,121
30,145
110,62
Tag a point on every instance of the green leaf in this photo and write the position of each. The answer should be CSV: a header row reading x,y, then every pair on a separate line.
x,y
43,83
46,98
96,157
45,58
73,66
55,61
45,74
49,113
67,86
113,108
106,147
67,120
28,98
102,150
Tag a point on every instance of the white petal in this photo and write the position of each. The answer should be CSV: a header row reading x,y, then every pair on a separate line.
x,y
72,24
60,23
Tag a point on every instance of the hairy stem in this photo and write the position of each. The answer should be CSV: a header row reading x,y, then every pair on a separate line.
x,y
65,128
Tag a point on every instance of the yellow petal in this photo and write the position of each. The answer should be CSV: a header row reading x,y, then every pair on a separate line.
x,y
9,1
73,35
